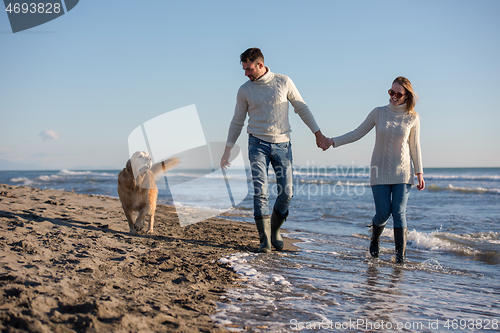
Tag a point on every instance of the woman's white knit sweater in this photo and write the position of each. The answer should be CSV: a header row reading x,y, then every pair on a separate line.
x,y
397,144
266,102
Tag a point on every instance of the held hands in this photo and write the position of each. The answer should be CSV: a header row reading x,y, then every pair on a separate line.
x,y
330,142
322,141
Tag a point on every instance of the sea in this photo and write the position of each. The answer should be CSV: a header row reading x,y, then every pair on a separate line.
x,y
450,282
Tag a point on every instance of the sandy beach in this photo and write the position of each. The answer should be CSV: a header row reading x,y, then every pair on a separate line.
x,y
68,264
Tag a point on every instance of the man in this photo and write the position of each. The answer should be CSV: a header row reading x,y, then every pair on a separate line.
x,y
265,99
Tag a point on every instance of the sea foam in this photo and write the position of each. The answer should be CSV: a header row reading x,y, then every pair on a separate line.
x,y
239,264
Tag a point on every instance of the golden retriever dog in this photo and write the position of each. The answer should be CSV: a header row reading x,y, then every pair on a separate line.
x,y
137,188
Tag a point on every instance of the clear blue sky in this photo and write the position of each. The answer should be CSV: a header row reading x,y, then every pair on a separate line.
x,y
88,78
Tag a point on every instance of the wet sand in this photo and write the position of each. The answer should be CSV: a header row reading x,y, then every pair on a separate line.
x,y
68,264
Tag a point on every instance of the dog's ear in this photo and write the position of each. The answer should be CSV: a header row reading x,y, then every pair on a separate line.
x,y
129,166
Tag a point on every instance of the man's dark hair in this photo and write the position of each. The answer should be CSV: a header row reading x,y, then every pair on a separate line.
x,y
252,54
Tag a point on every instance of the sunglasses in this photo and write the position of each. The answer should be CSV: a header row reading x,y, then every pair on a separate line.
x,y
392,93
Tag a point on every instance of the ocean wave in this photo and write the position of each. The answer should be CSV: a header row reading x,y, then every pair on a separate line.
x,y
65,179
451,188
463,177
65,172
23,180
228,176
432,241
195,175
45,178
489,237
332,182
482,246
438,240
74,173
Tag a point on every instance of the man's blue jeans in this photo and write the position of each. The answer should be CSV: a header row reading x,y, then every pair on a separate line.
x,y
390,199
279,155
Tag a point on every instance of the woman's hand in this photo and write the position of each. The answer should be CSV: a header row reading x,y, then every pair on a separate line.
x,y
421,181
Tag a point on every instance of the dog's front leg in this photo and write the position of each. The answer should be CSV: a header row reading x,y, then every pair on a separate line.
x,y
153,196
139,223
151,223
128,215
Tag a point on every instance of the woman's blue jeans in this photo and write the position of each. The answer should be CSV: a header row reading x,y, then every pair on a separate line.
x,y
390,199
279,155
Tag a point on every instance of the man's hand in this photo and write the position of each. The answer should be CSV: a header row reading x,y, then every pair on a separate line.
x,y
224,161
322,141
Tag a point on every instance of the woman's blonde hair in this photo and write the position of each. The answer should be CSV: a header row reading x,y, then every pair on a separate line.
x,y
412,97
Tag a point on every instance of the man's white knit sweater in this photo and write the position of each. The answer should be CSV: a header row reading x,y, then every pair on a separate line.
x,y
266,102
397,144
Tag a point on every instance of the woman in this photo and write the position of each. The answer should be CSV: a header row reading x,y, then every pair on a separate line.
x,y
397,144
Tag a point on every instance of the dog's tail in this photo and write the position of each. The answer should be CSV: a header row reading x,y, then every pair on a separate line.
x,y
164,166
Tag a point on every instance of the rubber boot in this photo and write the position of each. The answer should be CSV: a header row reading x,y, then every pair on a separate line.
x,y
277,221
264,228
374,244
400,242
